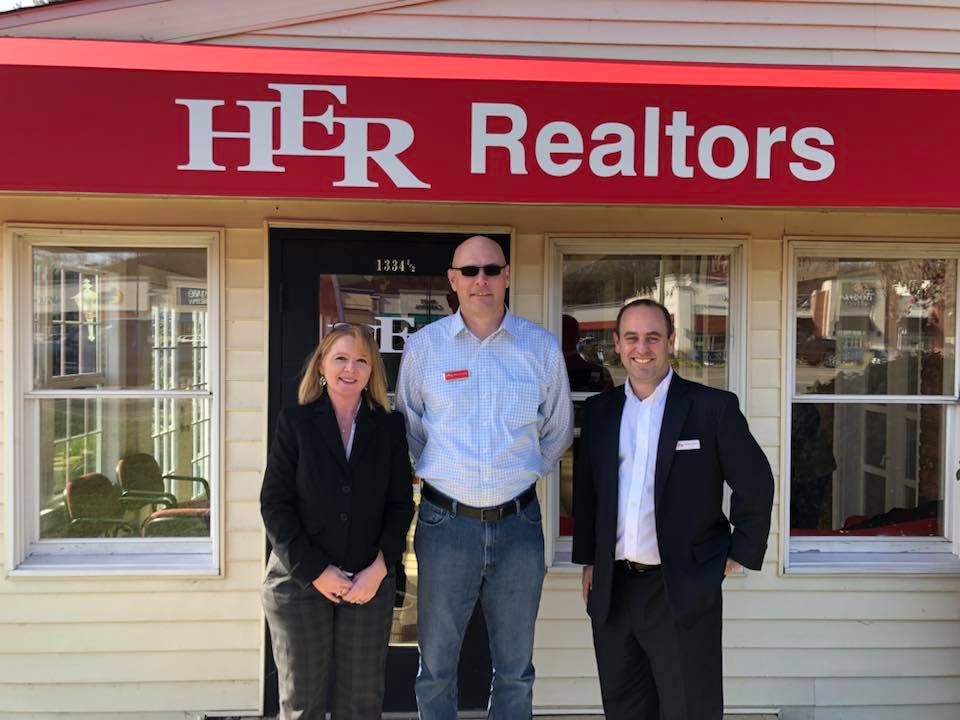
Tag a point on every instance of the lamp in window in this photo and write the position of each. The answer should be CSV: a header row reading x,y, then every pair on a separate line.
x,y
86,301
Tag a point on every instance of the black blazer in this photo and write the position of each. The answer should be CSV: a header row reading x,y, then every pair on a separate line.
x,y
318,508
693,534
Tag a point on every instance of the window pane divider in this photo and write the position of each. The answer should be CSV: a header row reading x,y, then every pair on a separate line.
x,y
129,394
877,399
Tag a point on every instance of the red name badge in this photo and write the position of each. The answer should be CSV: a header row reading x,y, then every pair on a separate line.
x,y
456,375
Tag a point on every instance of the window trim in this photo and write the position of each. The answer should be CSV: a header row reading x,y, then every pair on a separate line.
x,y
829,555
27,554
557,245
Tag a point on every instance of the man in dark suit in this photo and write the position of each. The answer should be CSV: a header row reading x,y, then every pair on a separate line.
x,y
650,529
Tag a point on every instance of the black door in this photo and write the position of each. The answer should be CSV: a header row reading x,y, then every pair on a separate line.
x,y
396,283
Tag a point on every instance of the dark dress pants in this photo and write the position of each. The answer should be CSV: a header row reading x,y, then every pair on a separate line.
x,y
313,638
650,667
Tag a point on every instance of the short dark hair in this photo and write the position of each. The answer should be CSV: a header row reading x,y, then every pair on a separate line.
x,y
647,302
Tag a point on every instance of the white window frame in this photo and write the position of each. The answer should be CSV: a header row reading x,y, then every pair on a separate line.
x,y
558,549
833,555
27,554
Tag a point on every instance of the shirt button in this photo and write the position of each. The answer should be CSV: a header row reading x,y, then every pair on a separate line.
x,y
343,517
346,489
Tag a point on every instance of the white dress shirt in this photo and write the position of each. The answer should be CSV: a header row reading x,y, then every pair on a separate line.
x,y
639,437
485,418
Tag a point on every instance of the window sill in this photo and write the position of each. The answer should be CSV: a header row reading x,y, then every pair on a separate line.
x,y
120,564
818,562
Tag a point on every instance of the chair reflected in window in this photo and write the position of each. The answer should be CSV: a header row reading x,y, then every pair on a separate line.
x,y
94,508
142,484
177,522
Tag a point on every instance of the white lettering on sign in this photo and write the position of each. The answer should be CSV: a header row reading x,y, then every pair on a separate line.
x,y
559,146
390,329
354,149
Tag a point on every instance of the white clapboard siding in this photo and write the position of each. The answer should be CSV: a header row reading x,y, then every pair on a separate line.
x,y
852,33
130,637
238,697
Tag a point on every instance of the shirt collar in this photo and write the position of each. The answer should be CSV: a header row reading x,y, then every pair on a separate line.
x,y
657,397
509,323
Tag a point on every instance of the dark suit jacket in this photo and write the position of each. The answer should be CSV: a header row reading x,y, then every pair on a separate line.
x,y
693,534
318,508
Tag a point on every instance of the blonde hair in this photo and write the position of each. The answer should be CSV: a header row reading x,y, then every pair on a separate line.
x,y
311,388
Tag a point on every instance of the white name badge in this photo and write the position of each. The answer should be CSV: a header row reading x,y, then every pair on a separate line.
x,y
688,444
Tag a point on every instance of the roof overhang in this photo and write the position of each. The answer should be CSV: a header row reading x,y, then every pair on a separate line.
x,y
118,117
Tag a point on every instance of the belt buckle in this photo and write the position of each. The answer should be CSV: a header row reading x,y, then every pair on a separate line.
x,y
498,511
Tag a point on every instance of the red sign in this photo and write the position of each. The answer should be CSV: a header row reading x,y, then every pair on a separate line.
x,y
186,120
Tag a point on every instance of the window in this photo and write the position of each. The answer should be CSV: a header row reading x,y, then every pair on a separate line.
x,y
592,280
873,402
116,464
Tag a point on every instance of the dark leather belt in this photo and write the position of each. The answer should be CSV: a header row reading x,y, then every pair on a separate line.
x,y
484,514
635,567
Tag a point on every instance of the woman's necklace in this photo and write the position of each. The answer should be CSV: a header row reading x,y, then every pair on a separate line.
x,y
346,423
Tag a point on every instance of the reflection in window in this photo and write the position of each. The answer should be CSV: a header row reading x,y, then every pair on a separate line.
x,y
119,318
867,470
694,288
875,327
129,319
394,306
868,327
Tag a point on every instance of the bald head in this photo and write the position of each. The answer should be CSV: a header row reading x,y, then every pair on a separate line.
x,y
481,295
478,246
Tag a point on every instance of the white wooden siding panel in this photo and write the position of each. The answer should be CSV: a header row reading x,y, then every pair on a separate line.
x,y
602,32
239,696
246,304
789,662
129,667
918,58
245,426
245,273
243,515
107,606
246,456
782,13
243,484
764,402
245,395
765,314
245,334
528,306
765,344
889,692
246,365
915,712
778,604
244,243
846,635
173,19
765,285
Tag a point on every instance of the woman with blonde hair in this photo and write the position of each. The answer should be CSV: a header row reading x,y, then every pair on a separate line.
x,y
337,502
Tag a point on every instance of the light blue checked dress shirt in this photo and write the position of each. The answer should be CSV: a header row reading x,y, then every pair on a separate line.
x,y
484,438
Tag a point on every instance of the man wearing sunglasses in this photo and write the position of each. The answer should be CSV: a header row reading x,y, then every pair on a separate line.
x,y
488,410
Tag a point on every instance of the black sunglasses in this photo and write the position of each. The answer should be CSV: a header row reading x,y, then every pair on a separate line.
x,y
474,270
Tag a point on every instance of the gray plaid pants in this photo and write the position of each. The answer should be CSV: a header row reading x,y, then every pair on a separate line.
x,y
322,649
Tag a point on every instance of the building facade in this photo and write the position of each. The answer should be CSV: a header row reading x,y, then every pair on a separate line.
x,y
181,223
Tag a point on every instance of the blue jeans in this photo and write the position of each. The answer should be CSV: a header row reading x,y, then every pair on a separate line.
x,y
500,563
